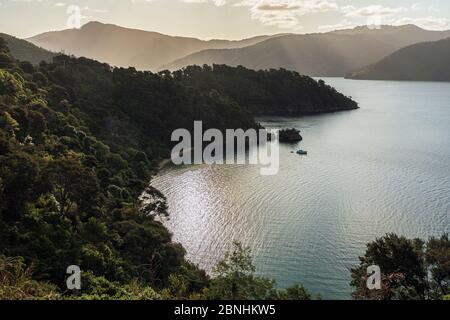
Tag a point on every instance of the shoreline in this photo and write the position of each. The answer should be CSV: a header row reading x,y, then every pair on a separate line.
x,y
163,163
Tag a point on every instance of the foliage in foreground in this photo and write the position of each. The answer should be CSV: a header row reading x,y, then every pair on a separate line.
x,y
412,269
16,282
234,280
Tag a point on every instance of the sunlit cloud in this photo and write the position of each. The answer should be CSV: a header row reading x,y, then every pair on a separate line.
x,y
429,23
285,13
253,17
216,2
354,12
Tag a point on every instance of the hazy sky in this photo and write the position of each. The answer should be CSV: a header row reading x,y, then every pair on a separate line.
x,y
230,19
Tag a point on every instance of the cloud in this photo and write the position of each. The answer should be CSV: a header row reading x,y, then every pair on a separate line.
x,y
288,13
373,10
397,16
218,3
430,23
345,24
291,14
285,13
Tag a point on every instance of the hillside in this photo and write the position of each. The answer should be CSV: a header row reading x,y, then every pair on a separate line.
x,y
428,61
79,143
329,54
270,92
124,47
25,51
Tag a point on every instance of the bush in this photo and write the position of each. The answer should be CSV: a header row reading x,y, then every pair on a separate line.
x,y
16,282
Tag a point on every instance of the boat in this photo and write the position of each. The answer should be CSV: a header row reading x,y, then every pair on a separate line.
x,y
302,152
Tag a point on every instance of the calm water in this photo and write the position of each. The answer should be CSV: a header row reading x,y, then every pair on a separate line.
x,y
383,168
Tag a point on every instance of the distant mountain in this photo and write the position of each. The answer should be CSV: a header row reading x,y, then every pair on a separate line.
x,y
125,47
428,61
26,51
328,54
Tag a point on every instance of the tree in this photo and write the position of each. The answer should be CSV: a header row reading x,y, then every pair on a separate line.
x,y
295,292
438,261
80,122
3,46
403,266
9,124
10,84
152,203
16,282
21,183
146,246
72,184
235,279
5,61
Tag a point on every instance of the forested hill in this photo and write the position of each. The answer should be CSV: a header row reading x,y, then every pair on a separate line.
x,y
79,142
266,92
428,61
26,51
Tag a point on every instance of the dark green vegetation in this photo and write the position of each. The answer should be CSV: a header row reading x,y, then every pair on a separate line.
x,y
234,279
271,92
79,142
290,135
25,51
411,269
429,61
78,145
16,282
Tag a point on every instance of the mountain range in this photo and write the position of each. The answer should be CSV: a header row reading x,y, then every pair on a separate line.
x,y
124,47
328,54
427,61
361,53
335,53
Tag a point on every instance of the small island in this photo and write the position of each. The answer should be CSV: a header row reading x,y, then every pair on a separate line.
x,y
290,136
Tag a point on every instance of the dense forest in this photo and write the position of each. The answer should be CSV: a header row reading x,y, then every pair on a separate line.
x,y
70,185
268,92
79,142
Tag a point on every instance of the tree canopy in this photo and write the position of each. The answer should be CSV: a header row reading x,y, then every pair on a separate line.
x,y
79,143
411,269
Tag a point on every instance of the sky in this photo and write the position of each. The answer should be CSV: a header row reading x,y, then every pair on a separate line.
x,y
220,19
